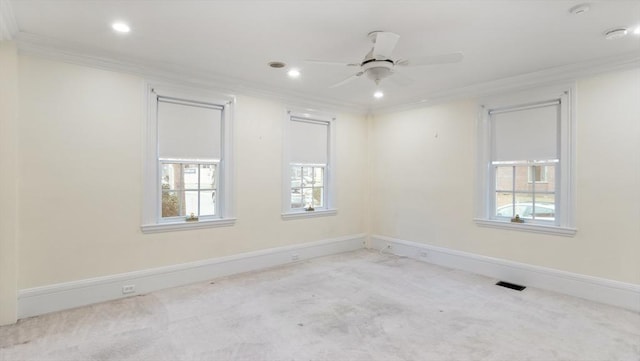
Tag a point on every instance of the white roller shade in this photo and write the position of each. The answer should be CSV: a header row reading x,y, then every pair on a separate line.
x,y
309,141
189,131
527,133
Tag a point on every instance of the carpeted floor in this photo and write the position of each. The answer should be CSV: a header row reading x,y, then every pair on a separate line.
x,y
354,306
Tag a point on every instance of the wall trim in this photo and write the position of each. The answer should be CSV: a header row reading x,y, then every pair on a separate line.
x,y
615,293
40,300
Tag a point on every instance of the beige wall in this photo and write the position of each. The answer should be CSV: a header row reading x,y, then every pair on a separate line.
x,y
78,173
424,172
8,181
81,179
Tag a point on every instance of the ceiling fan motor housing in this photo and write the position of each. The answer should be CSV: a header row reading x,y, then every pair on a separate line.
x,y
377,70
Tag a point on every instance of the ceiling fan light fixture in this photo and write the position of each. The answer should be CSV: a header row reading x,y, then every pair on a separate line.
x,y
120,27
293,73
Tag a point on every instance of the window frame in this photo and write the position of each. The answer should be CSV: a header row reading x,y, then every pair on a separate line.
x,y
564,223
152,220
329,200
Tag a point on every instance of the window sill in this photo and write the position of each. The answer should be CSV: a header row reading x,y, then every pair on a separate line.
x,y
184,225
308,214
527,227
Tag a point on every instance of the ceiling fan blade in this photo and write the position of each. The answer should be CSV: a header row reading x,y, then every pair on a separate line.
x,y
384,44
345,81
327,62
433,60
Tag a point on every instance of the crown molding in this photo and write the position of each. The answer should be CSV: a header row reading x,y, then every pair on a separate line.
x,y
546,77
36,45
30,44
8,24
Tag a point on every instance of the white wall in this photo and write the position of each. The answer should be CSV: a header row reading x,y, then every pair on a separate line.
x,y
80,188
8,181
423,182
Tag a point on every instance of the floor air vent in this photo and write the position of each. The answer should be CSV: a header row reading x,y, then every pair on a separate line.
x,y
511,285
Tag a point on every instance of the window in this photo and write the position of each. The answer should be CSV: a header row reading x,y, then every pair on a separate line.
x,y
526,162
307,189
187,171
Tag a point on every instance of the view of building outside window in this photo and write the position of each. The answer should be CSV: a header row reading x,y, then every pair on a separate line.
x,y
525,190
188,188
307,186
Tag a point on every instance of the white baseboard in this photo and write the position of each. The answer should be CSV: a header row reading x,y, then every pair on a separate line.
x,y
62,296
602,290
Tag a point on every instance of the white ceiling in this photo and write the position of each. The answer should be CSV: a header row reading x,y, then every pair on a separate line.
x,y
232,41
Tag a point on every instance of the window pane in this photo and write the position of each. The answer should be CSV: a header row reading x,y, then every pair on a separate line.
x,y
207,203
504,204
318,176
548,182
522,183
190,176
545,207
317,197
307,176
307,197
524,205
207,176
172,176
191,202
538,173
504,178
296,177
296,198
172,204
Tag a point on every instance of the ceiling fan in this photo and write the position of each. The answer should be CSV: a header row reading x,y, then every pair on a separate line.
x,y
378,63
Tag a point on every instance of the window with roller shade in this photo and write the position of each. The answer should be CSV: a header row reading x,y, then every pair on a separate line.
x,y
308,148
525,147
526,161
189,153
187,181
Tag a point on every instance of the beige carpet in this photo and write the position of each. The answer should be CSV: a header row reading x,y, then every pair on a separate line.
x,y
353,306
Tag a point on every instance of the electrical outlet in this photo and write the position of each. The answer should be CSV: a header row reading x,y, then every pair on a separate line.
x,y
126,289
295,257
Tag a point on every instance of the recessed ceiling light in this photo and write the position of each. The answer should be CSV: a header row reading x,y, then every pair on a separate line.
x,y
293,73
579,9
121,27
276,64
637,31
378,94
615,33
